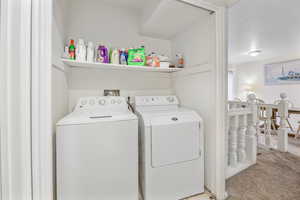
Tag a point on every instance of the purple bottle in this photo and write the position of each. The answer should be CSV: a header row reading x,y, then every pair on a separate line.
x,y
102,54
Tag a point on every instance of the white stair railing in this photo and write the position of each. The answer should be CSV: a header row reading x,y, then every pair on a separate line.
x,y
242,138
242,142
251,123
266,125
269,134
251,133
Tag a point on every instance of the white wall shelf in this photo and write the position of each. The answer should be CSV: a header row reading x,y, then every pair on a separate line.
x,y
76,64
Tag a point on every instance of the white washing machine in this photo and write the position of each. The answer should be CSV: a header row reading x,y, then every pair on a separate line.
x,y
97,151
171,146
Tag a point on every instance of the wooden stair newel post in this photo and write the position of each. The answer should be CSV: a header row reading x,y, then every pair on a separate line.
x,y
251,141
283,110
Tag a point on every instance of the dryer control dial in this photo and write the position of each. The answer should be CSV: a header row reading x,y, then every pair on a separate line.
x,y
170,99
92,102
83,102
102,102
156,100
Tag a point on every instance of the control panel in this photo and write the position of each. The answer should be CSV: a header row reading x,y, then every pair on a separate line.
x,y
104,102
156,100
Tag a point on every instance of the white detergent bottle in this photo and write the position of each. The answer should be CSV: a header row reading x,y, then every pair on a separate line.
x,y
90,52
81,51
115,57
66,52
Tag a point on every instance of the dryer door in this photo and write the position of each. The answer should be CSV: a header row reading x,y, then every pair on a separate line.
x,y
175,139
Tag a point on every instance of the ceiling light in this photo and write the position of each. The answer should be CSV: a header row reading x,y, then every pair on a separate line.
x,y
254,53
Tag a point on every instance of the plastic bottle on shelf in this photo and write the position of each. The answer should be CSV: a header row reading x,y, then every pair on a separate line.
x,y
149,60
180,60
66,52
96,53
102,54
81,51
72,50
164,61
155,60
115,56
123,59
90,52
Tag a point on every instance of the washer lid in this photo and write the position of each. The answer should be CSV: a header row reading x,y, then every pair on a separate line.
x,y
87,117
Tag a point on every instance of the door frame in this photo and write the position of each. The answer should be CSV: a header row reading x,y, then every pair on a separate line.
x,y
4,155
15,99
42,143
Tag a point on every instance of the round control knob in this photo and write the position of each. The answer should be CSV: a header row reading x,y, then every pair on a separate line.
x,y
171,99
119,101
83,102
92,102
102,102
113,101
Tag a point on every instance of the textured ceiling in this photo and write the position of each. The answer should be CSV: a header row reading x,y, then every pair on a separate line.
x,y
270,25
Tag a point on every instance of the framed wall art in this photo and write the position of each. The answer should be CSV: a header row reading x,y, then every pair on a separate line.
x,y
287,72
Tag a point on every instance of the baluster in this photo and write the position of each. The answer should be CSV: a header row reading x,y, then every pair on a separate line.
x,y
242,138
260,115
251,141
283,111
268,127
233,129
231,105
227,138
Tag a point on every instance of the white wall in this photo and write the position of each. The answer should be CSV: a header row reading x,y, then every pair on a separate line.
x,y
60,99
252,74
195,43
112,26
58,32
92,82
195,85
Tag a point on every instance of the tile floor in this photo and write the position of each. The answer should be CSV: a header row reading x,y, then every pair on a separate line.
x,y
205,196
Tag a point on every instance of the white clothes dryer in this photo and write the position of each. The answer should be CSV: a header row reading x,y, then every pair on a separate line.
x,y
171,149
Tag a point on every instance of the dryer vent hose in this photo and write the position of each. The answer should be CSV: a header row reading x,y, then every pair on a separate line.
x,y
130,107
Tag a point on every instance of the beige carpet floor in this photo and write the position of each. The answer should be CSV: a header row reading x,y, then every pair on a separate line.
x,y
276,176
294,141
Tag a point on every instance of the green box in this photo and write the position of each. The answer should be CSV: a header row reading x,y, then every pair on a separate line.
x,y
136,57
